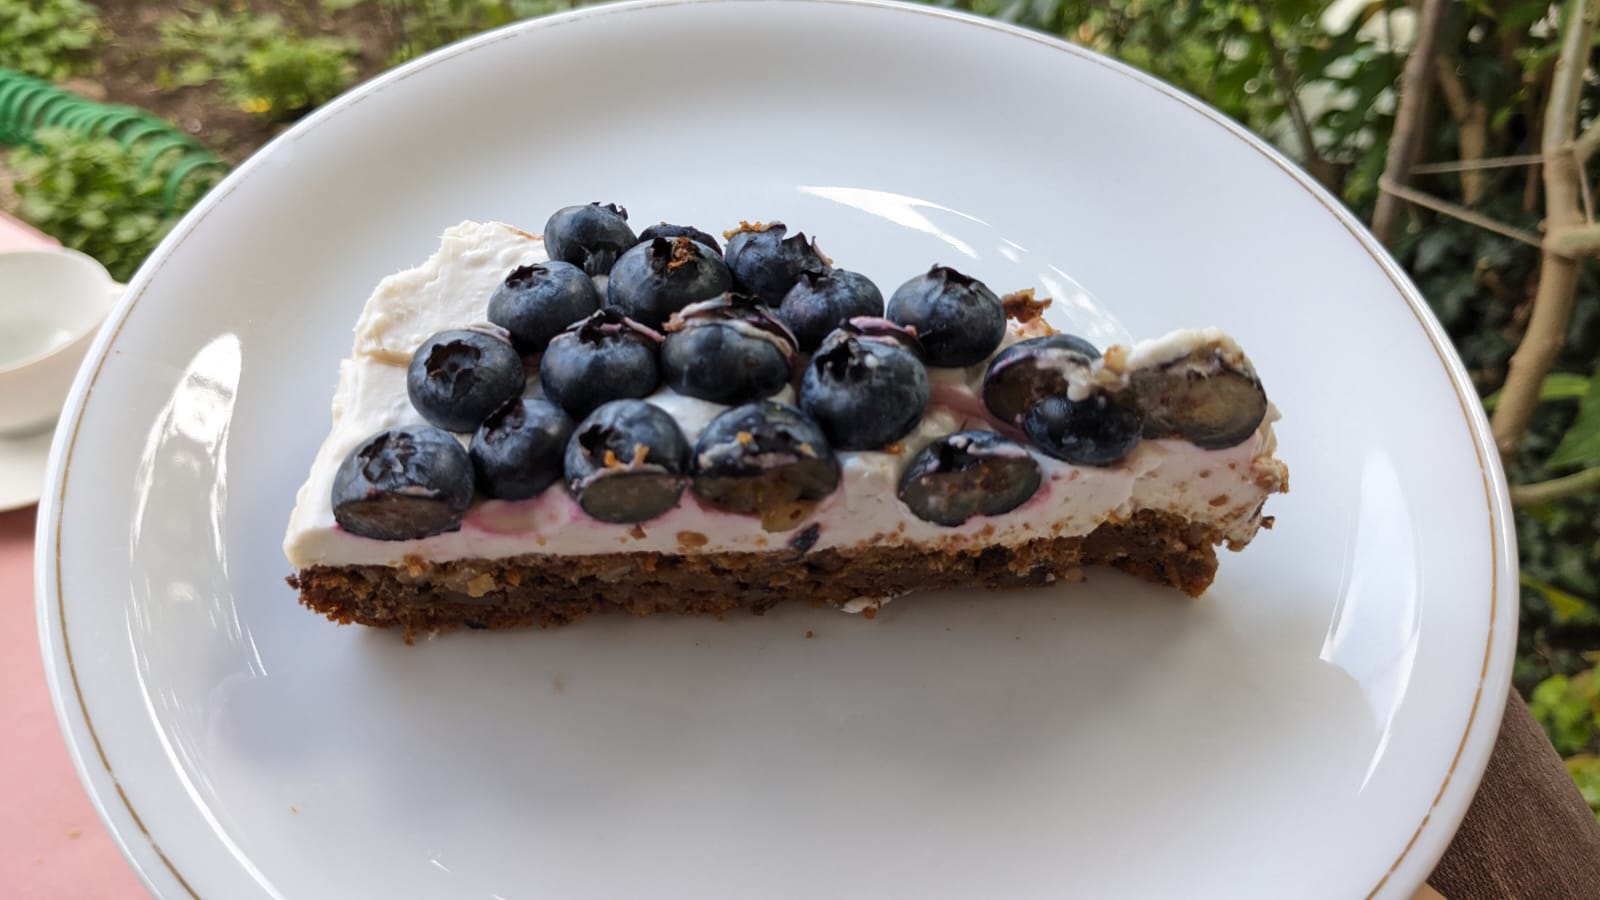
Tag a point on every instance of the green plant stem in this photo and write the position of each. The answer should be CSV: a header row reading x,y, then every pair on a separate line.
x,y
1556,488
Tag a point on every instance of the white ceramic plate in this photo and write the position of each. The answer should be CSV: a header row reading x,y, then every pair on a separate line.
x,y
1312,727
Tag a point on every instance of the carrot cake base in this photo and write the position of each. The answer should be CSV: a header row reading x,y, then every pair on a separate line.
x,y
550,591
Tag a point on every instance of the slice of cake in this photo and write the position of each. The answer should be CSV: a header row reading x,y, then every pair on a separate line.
x,y
530,429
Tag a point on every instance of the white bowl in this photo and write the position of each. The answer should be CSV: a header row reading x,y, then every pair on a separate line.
x,y
51,304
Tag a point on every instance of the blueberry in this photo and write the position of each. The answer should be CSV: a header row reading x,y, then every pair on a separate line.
x,y
1028,371
403,483
806,539
656,278
866,385
767,264
767,459
517,451
1096,431
535,303
591,236
626,462
605,357
727,350
1210,398
456,378
966,474
664,230
822,301
957,318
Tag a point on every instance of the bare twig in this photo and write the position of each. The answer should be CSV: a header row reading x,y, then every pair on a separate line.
x,y
1472,127
1488,162
1558,273
1457,211
1556,488
1416,82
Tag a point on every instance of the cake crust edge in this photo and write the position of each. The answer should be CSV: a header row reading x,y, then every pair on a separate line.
x,y
550,591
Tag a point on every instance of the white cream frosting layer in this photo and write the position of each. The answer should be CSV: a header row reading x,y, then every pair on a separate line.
x,y
450,290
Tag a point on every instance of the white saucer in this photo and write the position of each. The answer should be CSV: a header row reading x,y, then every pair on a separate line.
x,y
22,464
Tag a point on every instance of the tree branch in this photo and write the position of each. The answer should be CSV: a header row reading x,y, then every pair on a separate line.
x,y
1558,273
1291,100
1472,126
1575,242
1556,488
1405,143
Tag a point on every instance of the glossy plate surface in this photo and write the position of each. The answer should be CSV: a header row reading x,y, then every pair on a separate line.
x,y
1313,727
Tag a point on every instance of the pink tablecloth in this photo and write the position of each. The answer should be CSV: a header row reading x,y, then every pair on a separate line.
x,y
52,845
15,235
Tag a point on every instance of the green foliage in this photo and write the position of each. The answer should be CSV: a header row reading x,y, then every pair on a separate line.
x,y
281,79
1556,386
1580,446
49,39
418,26
1569,709
90,194
1585,771
264,67
199,48
1564,605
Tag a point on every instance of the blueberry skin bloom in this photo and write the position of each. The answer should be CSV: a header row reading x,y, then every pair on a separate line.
x,y
458,377
728,350
517,452
865,385
767,264
535,303
821,301
590,237
605,357
668,230
403,483
957,318
655,279
1097,431
627,462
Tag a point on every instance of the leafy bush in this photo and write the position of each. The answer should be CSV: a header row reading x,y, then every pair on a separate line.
x,y
263,66
49,39
1569,709
89,194
281,79
1585,771
199,48
418,26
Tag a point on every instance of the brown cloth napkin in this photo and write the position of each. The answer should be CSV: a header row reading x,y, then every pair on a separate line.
x,y
1528,834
